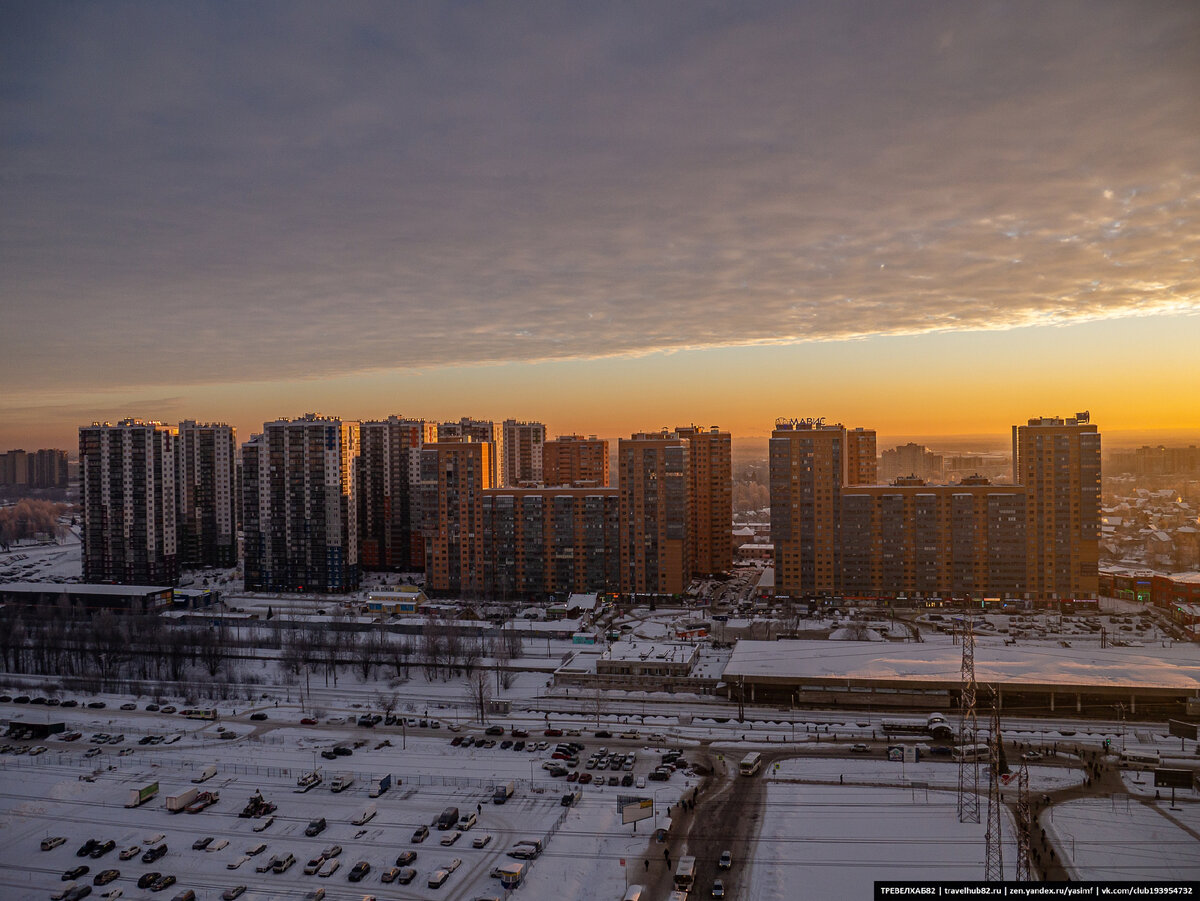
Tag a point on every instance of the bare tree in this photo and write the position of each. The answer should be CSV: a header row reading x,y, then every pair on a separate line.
x,y
503,659
479,692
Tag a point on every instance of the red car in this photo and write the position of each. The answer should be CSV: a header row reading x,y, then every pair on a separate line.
x,y
308,721
551,733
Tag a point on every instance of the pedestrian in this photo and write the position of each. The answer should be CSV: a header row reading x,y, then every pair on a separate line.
x,y
667,854
841,779
647,863
479,809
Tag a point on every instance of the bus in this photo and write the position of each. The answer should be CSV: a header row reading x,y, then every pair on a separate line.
x,y
1140,759
751,763
971,752
685,873
201,714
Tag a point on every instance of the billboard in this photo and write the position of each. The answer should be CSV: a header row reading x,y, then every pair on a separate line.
x,y
1166,778
634,807
1180,729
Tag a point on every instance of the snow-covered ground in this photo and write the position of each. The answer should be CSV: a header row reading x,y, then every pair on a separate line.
x,y
62,793
834,841
1123,838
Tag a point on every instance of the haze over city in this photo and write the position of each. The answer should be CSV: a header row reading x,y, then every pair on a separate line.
x,y
932,219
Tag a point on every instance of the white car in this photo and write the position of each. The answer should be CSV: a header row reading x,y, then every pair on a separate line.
x,y
438,878
154,839
330,867
454,864
265,824
481,841
451,837
218,845
234,864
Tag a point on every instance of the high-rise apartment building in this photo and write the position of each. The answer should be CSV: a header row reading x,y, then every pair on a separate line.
x,y
14,468
861,461
655,511
540,541
299,506
478,430
49,469
522,448
206,493
575,460
454,475
46,468
910,460
808,469
389,517
127,490
932,540
1036,539
1058,463
710,476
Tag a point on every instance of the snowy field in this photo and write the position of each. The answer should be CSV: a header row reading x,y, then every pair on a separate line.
x,y
833,841
1124,838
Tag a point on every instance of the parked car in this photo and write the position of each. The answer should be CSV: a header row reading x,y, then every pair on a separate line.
x,y
230,894
361,869
100,850
405,858
104,877
406,875
163,883
315,827
74,873
420,834
201,843
860,748
153,854
49,844
148,879
130,852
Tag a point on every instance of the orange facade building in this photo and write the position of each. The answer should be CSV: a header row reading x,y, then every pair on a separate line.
x,y
575,460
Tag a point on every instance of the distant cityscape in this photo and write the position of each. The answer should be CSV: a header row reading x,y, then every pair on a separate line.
x,y
496,510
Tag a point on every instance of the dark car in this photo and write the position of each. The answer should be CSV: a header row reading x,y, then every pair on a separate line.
x,y
420,834
153,854
21,699
361,869
75,894
70,703
201,843
87,847
148,879
258,716
406,875
74,873
97,705
153,708
342,751
104,877
494,730
231,893
603,733
163,883
405,858
101,850
315,827
518,746
329,755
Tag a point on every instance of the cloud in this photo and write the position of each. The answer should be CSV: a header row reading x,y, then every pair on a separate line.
x,y
198,194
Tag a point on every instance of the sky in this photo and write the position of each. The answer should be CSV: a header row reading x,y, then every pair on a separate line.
x,y
928,218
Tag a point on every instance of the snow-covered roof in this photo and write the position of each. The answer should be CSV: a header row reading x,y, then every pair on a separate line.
x,y
941,661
